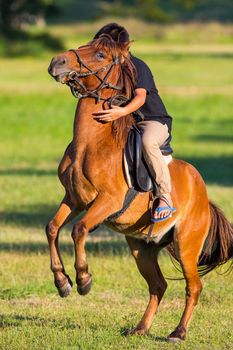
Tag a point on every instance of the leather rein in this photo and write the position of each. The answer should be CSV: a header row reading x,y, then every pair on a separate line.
x,y
74,79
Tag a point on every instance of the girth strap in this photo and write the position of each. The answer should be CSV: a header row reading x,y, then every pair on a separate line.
x,y
130,196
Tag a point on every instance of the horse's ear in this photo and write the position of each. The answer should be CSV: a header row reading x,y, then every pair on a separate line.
x,y
125,50
126,45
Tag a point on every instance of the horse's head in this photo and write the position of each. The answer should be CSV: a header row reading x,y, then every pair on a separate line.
x,y
93,67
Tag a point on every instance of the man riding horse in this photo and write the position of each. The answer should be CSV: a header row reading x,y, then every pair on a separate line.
x,y
155,126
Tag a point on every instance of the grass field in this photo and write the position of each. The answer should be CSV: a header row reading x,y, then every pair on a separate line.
x,y
195,82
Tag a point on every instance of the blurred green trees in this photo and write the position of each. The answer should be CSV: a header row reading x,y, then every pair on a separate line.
x,y
22,22
15,18
170,10
15,14
148,10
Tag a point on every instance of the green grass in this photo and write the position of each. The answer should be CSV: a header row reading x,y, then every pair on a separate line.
x,y
32,314
36,118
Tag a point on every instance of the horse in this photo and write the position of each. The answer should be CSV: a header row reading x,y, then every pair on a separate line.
x,y
198,234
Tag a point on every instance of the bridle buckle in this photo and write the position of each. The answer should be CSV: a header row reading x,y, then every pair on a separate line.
x,y
72,75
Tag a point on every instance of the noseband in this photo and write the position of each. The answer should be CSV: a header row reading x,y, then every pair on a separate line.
x,y
74,79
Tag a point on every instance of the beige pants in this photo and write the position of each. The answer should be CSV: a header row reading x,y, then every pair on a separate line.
x,y
154,135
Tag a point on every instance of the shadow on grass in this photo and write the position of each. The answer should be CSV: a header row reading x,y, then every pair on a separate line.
x,y
214,138
28,172
34,216
7,321
158,339
19,320
125,332
105,247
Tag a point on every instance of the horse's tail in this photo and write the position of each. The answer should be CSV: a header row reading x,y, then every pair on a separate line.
x,y
218,246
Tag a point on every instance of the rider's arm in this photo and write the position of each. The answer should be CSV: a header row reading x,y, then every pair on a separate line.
x,y
117,112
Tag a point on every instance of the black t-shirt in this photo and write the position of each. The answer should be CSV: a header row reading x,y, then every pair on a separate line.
x,y
153,108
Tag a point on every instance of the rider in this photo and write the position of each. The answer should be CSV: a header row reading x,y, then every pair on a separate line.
x,y
156,125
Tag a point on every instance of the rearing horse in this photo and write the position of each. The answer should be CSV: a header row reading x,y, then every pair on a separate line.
x,y
91,172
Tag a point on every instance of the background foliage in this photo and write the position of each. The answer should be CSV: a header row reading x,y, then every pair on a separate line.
x,y
22,22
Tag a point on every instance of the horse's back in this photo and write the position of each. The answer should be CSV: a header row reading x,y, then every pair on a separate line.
x,y
185,178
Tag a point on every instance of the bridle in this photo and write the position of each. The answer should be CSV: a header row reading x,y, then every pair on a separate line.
x,y
74,79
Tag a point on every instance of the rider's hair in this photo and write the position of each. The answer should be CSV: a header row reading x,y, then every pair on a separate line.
x,y
117,32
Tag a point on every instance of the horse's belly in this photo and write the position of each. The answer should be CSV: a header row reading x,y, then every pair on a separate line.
x,y
158,233
135,221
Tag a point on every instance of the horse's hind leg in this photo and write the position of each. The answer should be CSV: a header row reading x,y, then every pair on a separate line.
x,y
146,259
193,290
189,247
63,215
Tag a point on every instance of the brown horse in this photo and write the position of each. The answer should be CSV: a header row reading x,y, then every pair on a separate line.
x,y
92,174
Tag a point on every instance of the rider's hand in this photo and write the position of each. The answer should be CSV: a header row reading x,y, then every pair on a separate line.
x,y
111,114
117,112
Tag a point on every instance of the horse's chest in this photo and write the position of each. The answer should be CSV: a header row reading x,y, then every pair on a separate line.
x,y
80,189
86,171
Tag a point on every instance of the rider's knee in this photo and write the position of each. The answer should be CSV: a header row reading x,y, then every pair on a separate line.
x,y
149,141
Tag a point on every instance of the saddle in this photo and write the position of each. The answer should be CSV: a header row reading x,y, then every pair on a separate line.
x,y
136,169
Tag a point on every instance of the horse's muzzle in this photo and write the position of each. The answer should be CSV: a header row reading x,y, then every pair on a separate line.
x,y
58,68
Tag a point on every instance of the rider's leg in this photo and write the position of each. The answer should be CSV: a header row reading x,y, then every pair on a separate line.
x,y
154,135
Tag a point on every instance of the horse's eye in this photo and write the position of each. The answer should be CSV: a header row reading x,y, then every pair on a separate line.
x,y
100,55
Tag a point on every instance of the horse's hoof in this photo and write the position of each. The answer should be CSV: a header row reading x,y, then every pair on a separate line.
x,y
178,335
135,331
85,288
174,339
65,290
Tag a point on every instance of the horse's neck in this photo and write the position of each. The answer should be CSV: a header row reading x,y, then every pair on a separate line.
x,y
88,131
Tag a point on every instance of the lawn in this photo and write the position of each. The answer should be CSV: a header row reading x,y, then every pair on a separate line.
x,y
195,82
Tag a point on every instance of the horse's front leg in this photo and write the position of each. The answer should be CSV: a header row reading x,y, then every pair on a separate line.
x,y
103,206
64,214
